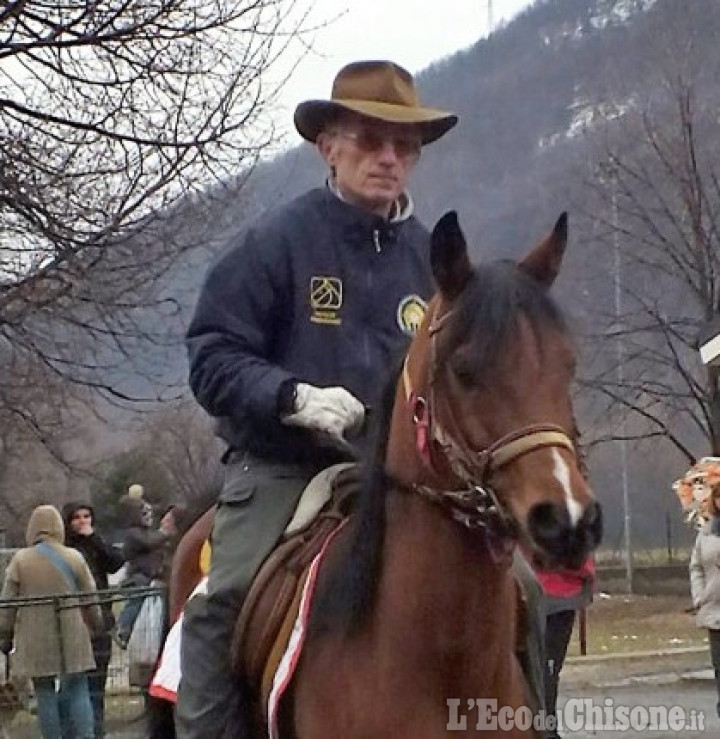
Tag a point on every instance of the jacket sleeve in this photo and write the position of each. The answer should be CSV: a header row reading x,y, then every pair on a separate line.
x,y
11,589
109,558
139,542
697,572
241,309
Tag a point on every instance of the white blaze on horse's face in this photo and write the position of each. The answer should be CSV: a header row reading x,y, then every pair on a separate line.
x,y
561,471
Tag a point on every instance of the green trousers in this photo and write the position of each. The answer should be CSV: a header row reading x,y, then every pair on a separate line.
x,y
256,504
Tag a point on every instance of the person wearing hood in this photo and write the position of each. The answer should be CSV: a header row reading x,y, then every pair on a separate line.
x,y
296,325
52,646
103,559
705,582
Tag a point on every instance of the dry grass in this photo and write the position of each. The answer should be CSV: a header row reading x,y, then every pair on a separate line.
x,y
624,623
615,558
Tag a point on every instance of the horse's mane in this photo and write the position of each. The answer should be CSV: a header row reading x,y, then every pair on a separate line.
x,y
485,316
487,312
349,594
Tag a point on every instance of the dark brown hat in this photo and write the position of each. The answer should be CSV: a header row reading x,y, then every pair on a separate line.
x,y
376,89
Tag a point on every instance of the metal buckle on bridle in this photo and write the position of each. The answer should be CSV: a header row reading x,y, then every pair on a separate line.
x,y
419,410
478,507
480,510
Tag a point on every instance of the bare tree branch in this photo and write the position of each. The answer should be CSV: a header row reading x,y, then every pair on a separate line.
x,y
115,119
657,182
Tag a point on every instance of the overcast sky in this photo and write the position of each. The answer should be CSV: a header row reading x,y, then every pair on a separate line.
x,y
413,33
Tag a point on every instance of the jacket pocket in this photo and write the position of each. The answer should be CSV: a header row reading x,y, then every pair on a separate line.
x,y
239,486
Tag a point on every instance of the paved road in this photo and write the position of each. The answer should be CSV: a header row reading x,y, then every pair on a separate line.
x,y
697,698
692,692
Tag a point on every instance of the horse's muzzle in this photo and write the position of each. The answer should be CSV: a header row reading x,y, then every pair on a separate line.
x,y
552,532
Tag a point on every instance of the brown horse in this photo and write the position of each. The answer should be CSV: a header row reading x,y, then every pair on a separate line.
x,y
416,601
415,617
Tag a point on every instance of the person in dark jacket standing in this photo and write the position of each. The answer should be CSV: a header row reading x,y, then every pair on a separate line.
x,y
103,559
565,593
295,328
144,547
145,550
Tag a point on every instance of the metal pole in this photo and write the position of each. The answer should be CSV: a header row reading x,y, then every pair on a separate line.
x,y
621,381
582,622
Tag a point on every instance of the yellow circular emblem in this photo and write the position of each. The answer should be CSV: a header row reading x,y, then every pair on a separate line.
x,y
410,314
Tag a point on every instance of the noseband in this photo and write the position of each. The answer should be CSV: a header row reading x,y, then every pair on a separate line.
x,y
476,506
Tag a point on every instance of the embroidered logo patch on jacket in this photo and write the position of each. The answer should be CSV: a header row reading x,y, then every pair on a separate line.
x,y
326,299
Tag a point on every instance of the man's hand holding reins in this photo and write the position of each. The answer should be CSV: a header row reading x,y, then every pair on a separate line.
x,y
329,410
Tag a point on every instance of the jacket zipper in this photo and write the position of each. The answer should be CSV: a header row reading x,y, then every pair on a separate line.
x,y
369,280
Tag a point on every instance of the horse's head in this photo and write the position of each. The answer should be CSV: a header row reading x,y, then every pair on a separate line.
x,y
487,388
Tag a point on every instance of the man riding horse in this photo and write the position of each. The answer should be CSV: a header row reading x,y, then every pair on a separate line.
x,y
295,325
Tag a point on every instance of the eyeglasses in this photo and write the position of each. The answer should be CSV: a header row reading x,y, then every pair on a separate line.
x,y
372,141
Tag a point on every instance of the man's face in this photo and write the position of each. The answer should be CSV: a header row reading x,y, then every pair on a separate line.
x,y
146,516
81,522
372,160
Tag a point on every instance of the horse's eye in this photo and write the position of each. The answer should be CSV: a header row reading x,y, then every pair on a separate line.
x,y
465,371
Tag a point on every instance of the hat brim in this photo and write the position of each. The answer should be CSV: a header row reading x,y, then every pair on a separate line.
x,y
312,116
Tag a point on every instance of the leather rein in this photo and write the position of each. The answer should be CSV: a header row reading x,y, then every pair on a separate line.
x,y
476,506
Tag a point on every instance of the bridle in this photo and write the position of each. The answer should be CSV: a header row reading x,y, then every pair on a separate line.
x,y
476,505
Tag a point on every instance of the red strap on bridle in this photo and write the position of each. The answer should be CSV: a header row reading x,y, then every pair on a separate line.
x,y
421,419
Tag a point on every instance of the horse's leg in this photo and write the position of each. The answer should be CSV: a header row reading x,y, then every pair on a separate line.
x,y
160,719
286,724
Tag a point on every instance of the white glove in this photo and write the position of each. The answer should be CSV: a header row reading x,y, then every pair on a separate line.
x,y
331,410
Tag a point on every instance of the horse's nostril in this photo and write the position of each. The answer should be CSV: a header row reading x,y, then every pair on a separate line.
x,y
548,522
550,526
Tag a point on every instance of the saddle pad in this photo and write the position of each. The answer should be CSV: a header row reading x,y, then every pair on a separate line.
x,y
281,642
317,493
277,583
166,679
296,640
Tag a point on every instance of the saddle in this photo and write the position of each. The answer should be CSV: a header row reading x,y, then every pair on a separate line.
x,y
269,611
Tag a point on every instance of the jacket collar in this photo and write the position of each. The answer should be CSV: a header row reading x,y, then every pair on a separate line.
x,y
402,208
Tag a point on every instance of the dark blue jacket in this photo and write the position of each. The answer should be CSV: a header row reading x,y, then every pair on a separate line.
x,y
316,290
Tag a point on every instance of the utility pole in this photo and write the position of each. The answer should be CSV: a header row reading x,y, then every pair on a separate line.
x,y
621,381
489,17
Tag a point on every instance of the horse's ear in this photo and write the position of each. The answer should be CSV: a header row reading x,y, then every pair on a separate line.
x,y
543,262
448,256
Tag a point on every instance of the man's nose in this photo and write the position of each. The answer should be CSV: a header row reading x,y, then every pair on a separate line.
x,y
388,151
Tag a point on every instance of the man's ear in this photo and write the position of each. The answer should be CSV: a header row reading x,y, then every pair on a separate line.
x,y
326,146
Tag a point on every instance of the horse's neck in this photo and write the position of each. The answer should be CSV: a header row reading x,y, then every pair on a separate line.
x,y
443,582
453,566
452,603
